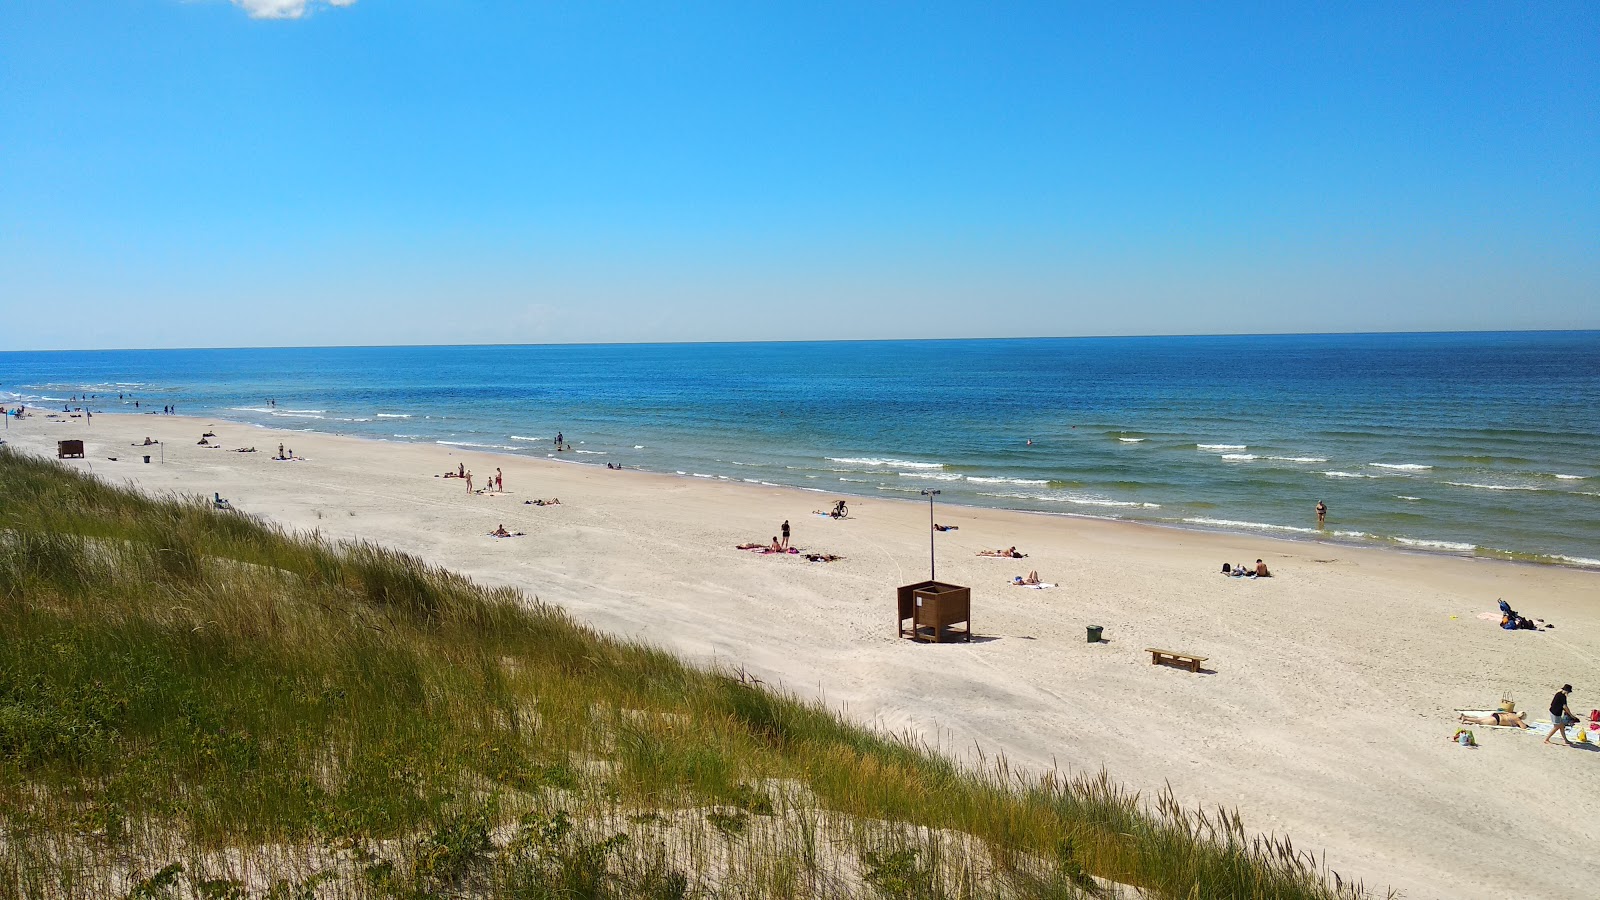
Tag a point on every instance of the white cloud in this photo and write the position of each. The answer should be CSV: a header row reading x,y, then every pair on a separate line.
x,y
284,9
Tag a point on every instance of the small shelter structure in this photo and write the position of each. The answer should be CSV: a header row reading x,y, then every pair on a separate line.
x,y
69,449
933,607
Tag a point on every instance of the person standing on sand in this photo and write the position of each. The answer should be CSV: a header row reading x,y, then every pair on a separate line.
x,y
1560,715
499,479
1322,513
785,534
469,481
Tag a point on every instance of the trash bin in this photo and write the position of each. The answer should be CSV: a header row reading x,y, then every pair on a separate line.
x,y
1094,634
147,457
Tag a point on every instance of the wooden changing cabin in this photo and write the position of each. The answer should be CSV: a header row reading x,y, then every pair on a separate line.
x,y
932,607
69,449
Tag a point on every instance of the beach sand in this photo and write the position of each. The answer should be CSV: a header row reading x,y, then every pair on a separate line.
x,y
1324,713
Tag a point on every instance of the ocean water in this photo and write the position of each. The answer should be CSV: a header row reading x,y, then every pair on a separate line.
x,y
1478,444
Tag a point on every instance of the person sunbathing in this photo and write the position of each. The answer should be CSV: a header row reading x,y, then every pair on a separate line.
x,y
1010,553
1507,719
1261,570
776,546
502,532
938,527
752,545
1033,578
822,557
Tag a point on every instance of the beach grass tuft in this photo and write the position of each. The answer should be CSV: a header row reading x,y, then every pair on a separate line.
x,y
197,703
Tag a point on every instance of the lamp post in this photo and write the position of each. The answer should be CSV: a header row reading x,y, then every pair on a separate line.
x,y
930,495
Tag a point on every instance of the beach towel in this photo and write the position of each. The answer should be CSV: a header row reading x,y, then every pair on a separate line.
x,y
1038,587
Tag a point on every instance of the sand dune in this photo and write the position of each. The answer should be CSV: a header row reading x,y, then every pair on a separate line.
x,y
1325,713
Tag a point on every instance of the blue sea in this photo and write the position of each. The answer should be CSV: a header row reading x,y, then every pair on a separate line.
x,y
1482,444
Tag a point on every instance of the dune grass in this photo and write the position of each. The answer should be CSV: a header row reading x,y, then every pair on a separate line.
x,y
195,703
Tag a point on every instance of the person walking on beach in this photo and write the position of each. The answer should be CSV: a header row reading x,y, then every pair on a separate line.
x,y
1322,513
469,481
1560,715
785,534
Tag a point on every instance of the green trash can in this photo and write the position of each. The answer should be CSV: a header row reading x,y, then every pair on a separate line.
x,y
1094,634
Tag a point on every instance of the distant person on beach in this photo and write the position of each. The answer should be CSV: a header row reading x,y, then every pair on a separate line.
x,y
1560,715
1261,570
280,450
785,534
938,527
1009,552
501,532
1322,513
1504,719
461,470
499,479
468,476
560,439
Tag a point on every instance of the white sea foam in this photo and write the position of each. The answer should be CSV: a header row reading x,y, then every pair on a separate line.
x,y
1403,467
979,479
856,480
531,440
1347,475
638,446
1404,497
1076,500
1240,457
592,452
1254,526
1300,459
393,415
935,476
875,461
1131,440
1571,477
476,446
752,481
1455,546
1492,487
1576,560
1220,447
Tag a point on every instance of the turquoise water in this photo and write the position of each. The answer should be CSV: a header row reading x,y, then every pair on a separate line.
x,y
1481,444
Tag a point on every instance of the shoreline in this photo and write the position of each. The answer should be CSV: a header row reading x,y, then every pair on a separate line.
x,y
1265,531
1323,713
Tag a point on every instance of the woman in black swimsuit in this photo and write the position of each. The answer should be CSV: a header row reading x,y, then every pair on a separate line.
x,y
1495,718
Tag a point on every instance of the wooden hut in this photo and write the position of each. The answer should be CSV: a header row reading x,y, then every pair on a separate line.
x,y
930,608
69,449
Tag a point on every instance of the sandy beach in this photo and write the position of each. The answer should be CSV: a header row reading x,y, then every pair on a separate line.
x,y
1324,711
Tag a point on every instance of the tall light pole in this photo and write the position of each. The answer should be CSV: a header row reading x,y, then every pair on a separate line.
x,y
930,495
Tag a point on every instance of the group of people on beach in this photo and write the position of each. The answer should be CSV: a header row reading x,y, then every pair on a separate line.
x,y
1244,570
1561,717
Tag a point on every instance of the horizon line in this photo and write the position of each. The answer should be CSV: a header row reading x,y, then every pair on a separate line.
x,y
1077,337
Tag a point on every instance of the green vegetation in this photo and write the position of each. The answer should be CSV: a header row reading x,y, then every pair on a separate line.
x,y
194,703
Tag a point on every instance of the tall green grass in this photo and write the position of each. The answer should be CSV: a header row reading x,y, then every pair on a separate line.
x,y
195,703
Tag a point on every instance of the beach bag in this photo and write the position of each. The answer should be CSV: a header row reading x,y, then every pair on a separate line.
x,y
1465,738
1508,705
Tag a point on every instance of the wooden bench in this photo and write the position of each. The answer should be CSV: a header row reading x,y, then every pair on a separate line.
x,y
1185,660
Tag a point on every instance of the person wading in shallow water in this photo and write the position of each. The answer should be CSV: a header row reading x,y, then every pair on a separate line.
x,y
1322,513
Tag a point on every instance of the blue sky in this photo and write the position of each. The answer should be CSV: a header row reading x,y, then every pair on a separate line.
x,y
446,171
